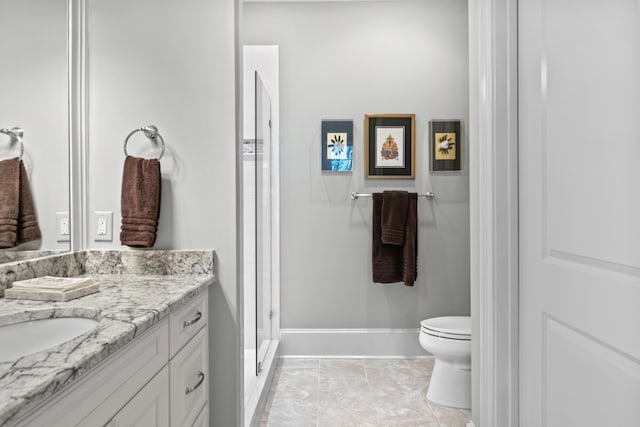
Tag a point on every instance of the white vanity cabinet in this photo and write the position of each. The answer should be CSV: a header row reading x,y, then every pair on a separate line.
x,y
158,380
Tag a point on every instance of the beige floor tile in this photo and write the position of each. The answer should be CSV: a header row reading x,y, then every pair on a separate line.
x,y
426,363
290,411
354,415
281,422
412,423
300,393
337,385
401,407
356,392
455,421
403,375
389,383
385,363
341,368
287,363
347,399
294,377
442,411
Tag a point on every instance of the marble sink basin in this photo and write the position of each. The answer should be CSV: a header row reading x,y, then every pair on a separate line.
x,y
30,332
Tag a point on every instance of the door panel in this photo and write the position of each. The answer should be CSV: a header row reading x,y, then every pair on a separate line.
x,y
590,116
576,364
579,105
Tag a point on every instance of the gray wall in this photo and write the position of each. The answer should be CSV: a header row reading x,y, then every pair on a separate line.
x,y
340,60
172,63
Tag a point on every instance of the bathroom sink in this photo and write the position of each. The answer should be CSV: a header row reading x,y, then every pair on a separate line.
x,y
24,337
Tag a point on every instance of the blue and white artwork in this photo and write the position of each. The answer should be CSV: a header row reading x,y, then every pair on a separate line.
x,y
337,145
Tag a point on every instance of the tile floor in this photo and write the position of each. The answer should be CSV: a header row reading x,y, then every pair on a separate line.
x,y
355,392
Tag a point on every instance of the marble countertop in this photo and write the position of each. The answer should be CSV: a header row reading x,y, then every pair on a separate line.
x,y
126,306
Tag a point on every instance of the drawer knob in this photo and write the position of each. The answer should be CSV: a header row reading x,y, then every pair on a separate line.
x,y
192,321
200,381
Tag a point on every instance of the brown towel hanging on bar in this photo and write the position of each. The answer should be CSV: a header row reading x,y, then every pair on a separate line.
x,y
18,223
394,263
140,202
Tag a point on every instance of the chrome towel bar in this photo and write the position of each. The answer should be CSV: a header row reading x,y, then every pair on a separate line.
x,y
354,195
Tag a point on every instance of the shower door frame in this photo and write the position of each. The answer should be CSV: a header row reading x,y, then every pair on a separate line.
x,y
263,226
265,59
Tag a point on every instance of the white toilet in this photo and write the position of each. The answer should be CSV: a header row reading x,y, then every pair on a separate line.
x,y
449,340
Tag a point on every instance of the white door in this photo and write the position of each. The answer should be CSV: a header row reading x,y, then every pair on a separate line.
x,y
579,132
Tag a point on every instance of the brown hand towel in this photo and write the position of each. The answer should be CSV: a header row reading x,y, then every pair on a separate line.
x,y
394,263
28,228
140,201
9,201
394,217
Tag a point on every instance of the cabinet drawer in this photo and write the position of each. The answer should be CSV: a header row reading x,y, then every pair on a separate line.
x,y
189,381
186,322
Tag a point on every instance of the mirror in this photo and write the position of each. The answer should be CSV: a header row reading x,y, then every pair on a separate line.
x,y
34,96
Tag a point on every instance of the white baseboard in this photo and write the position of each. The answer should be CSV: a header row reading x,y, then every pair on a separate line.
x,y
351,342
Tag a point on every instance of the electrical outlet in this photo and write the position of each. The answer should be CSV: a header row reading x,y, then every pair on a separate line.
x,y
102,226
63,227
103,223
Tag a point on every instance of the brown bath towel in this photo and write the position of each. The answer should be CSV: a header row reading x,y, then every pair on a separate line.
x,y
394,217
394,263
28,228
140,202
18,223
9,201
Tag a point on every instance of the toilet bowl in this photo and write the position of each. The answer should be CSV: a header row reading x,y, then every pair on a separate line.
x,y
449,340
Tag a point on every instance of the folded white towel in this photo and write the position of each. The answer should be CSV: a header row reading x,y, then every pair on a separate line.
x,y
51,283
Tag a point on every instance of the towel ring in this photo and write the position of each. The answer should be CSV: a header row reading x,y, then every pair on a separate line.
x,y
150,132
15,134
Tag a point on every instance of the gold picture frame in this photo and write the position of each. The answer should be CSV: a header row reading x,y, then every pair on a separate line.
x,y
390,149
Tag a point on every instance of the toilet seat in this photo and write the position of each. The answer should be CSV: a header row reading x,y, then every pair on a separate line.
x,y
448,327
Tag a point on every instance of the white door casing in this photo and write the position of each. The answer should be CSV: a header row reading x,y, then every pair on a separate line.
x,y
493,158
579,144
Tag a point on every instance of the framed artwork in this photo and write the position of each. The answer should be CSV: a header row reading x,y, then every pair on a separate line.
x,y
389,145
446,145
337,145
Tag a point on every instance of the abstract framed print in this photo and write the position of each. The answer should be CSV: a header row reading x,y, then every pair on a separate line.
x,y
337,145
446,145
389,145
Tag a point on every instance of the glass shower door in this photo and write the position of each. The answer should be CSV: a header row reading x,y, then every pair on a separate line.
x,y
262,220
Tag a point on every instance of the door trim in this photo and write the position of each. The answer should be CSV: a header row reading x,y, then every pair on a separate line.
x,y
494,210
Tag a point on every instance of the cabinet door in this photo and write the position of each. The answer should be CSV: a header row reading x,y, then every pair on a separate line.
x,y
148,408
189,371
